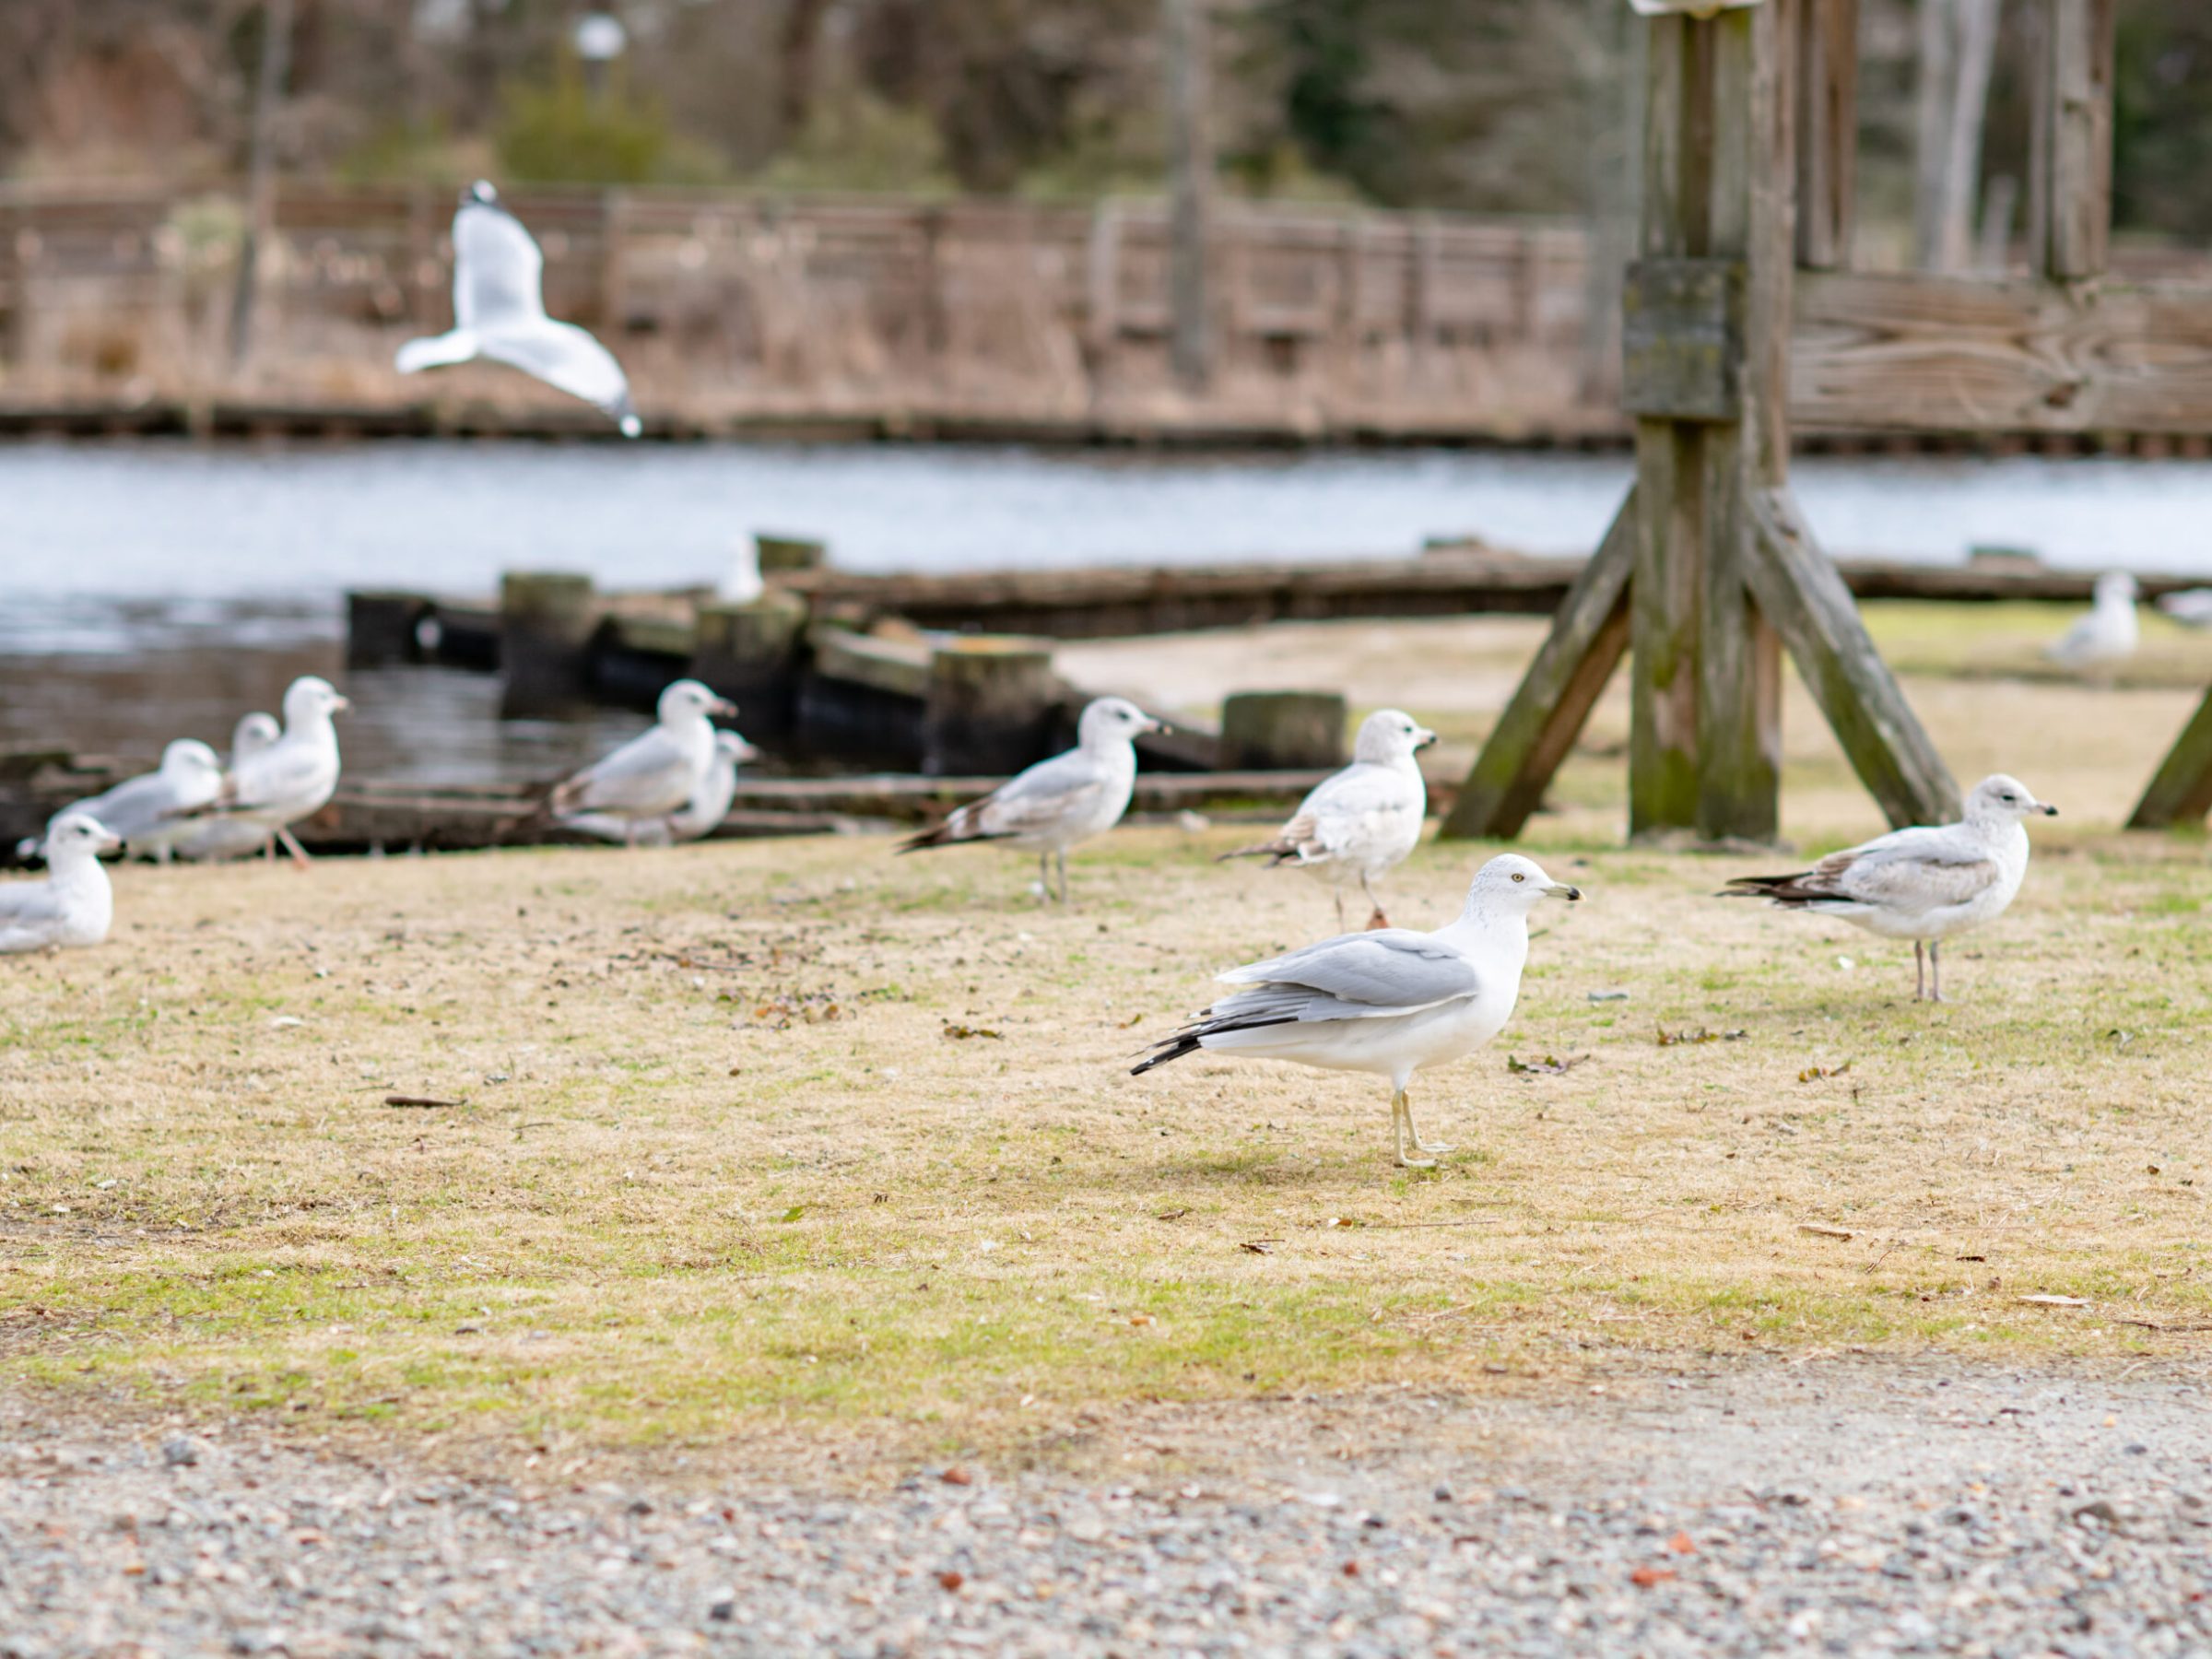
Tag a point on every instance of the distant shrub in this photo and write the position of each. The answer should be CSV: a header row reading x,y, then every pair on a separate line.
x,y
566,133
857,142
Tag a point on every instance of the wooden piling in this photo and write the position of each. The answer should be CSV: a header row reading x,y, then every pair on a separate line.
x,y
1263,731
546,621
750,655
381,627
790,553
991,702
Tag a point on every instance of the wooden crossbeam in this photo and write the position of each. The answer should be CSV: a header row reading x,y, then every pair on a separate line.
x,y
2181,792
1927,353
1553,703
1796,585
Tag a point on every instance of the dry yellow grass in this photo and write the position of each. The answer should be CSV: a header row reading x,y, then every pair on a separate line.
x,y
801,1132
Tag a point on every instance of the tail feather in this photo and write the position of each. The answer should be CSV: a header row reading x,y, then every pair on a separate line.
x,y
1278,850
961,826
1193,1036
1787,890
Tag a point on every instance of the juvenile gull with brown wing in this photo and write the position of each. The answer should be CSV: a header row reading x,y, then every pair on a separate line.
x,y
1923,884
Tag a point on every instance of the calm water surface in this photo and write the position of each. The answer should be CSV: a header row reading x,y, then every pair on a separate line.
x,y
155,590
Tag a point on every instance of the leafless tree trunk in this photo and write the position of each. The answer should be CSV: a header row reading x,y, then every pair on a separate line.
x,y
1958,47
261,172
1188,42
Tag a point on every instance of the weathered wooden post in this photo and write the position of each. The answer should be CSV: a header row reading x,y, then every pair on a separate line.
x,y
990,705
750,655
546,621
790,552
380,627
1708,571
1282,731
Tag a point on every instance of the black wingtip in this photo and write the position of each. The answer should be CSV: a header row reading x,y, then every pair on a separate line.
x,y
1172,1048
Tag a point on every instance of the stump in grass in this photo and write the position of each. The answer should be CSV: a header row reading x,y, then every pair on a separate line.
x,y
790,553
750,655
1282,731
546,621
990,705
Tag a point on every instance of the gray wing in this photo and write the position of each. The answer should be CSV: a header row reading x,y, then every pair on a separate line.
x,y
1034,801
499,273
564,357
273,776
1919,869
1354,806
31,904
1353,976
134,807
651,774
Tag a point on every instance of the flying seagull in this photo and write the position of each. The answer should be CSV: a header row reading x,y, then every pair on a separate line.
x,y
652,775
1359,823
141,812
710,804
1923,884
74,904
1392,1001
499,312
1057,803
2108,633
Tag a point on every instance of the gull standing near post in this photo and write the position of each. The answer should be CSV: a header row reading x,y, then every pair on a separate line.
x,y
1056,803
207,839
1392,1001
499,312
141,812
709,805
654,773
73,905
741,582
1923,884
2108,633
1359,823
272,789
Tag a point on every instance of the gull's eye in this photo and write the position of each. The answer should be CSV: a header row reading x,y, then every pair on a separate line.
x,y
1518,876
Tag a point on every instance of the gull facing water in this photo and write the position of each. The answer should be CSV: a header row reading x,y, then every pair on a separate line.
x,y
1358,824
1059,802
1923,884
652,775
2108,633
499,312
272,789
1392,1001
73,905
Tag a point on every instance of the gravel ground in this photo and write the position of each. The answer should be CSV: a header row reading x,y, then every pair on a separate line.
x,y
1827,1506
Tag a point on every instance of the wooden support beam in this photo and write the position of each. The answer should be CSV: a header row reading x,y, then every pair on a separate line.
x,y
1931,353
1796,585
2181,793
1555,698
2070,163
1828,132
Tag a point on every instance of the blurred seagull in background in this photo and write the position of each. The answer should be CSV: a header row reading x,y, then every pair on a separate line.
x,y
73,905
141,812
499,312
709,805
271,789
1359,823
1923,884
2191,608
1392,1001
2108,633
206,839
1056,803
741,584
655,773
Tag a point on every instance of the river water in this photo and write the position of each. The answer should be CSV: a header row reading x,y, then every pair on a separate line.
x,y
151,590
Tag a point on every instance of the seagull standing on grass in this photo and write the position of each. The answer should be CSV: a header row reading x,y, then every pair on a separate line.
x,y
1360,822
272,789
710,804
1059,802
141,812
499,312
1392,1001
2108,633
652,775
74,904
1923,884
207,839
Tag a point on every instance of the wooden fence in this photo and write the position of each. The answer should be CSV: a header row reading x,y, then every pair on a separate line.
x,y
733,310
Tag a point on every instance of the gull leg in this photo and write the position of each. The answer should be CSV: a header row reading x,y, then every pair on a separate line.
x,y
1934,970
1920,972
1420,1144
1378,919
298,852
1061,859
1044,878
1339,893
1401,1123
